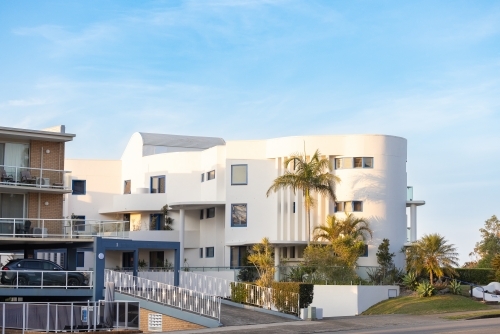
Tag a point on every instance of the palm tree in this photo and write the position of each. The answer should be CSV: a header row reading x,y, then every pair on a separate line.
x,y
351,226
432,254
309,177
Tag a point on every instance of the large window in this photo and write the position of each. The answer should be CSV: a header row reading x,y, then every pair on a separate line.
x,y
79,187
210,175
357,162
158,184
210,212
209,252
238,256
238,215
127,185
239,174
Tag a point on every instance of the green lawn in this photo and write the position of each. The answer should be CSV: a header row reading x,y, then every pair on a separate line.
x,y
429,305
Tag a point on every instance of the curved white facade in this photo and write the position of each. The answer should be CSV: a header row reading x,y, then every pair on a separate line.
x,y
378,190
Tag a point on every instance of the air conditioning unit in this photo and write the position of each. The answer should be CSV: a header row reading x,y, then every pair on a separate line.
x,y
39,232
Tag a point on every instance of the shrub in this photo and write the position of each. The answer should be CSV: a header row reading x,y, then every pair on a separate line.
x,y
410,281
476,275
305,291
455,287
238,292
425,289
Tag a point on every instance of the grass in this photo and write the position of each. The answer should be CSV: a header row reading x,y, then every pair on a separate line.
x,y
473,315
429,305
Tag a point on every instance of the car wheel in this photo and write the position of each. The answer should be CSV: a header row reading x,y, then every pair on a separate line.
x,y
72,281
20,281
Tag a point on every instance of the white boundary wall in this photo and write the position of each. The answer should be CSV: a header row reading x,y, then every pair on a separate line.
x,y
348,300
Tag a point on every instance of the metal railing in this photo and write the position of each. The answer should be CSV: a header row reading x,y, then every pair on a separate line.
x,y
272,299
34,177
46,279
69,317
62,228
184,299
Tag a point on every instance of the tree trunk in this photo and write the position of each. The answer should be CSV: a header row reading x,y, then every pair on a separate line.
x,y
308,227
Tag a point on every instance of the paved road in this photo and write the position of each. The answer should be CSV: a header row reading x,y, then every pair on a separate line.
x,y
365,324
235,316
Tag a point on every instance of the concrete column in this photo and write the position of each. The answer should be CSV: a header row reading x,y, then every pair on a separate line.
x,y
413,222
71,258
98,269
182,214
277,263
136,263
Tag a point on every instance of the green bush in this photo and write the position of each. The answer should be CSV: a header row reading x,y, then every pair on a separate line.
x,y
410,281
283,289
238,292
477,275
455,287
426,289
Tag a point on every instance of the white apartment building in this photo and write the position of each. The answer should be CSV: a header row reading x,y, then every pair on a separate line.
x,y
217,194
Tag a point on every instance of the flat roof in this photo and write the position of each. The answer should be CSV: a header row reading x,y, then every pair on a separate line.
x,y
26,134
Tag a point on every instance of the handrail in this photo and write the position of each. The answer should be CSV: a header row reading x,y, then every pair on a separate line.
x,y
184,299
47,278
38,177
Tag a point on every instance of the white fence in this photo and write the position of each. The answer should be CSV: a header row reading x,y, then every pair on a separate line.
x,y
69,317
184,299
269,298
47,278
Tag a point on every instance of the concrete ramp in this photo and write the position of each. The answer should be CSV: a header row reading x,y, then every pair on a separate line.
x,y
233,314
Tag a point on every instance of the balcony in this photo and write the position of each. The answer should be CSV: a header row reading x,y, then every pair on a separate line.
x,y
62,228
25,179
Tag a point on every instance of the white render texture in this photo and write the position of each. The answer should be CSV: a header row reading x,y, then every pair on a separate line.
x,y
382,189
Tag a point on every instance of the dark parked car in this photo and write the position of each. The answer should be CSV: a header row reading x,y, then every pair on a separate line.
x,y
29,273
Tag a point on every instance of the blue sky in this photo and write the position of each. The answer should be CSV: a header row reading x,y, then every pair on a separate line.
x,y
428,71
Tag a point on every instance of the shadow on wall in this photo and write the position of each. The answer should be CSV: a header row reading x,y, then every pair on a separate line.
x,y
369,187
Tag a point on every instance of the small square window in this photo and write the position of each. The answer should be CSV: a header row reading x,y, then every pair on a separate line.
x,y
158,184
238,215
202,213
210,212
339,206
79,187
358,162
201,253
338,163
357,206
209,252
202,177
239,174
211,175
367,162
127,185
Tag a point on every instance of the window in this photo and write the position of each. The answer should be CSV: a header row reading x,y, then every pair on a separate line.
x,y
238,256
202,177
284,252
127,184
201,213
365,253
293,207
80,259
238,215
79,187
210,212
156,259
209,252
211,175
78,223
292,252
201,253
156,221
239,174
357,162
339,206
357,206
158,184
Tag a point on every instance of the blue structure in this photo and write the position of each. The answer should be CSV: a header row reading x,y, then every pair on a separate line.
x,y
101,245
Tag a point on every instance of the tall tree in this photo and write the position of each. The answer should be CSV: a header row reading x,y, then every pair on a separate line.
x,y
309,176
432,254
489,246
261,256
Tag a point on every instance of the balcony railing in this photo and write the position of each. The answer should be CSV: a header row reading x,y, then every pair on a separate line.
x,y
62,228
34,177
46,279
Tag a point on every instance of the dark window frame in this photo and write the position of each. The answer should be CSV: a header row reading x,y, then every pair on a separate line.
x,y
202,214
207,252
246,175
246,215
201,252
82,182
212,172
208,212
151,184
202,177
